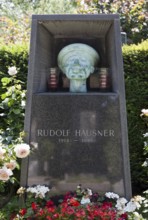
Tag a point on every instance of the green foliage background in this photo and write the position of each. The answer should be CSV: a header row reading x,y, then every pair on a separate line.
x,y
15,15
133,15
136,82
14,55
11,91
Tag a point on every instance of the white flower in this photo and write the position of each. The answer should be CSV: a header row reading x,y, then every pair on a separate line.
x,y
32,190
22,150
2,152
12,88
21,190
12,71
130,207
23,94
120,205
5,174
145,203
38,190
89,191
135,29
146,192
137,216
145,164
145,135
79,186
23,103
10,165
111,195
2,114
85,200
144,112
138,200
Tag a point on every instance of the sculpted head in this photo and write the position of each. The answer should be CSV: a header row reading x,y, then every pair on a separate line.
x,y
78,68
77,61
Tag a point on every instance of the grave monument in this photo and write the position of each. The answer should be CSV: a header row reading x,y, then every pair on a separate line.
x,y
76,123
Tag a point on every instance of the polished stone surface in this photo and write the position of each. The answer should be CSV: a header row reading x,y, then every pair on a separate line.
x,y
79,141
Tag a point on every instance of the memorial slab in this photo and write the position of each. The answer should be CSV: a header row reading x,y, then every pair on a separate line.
x,y
78,137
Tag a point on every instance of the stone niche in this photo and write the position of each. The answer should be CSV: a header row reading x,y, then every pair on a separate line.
x,y
77,137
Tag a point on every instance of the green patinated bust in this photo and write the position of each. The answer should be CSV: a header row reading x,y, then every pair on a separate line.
x,y
78,61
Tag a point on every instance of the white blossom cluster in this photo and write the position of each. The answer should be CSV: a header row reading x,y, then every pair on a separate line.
x,y
38,190
8,164
111,195
132,206
121,204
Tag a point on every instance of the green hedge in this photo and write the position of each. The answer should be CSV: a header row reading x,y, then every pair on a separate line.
x,y
14,55
136,80
136,83
10,115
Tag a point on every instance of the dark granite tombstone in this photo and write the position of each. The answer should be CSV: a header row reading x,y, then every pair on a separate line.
x,y
79,137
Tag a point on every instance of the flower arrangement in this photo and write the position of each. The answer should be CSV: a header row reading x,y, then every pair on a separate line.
x,y
79,205
8,159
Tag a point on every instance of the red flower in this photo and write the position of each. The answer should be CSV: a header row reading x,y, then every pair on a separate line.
x,y
124,216
41,212
23,212
34,206
67,196
68,211
74,202
51,209
49,203
56,215
106,205
48,218
80,213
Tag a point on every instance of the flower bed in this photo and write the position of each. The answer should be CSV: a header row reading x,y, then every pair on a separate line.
x,y
79,205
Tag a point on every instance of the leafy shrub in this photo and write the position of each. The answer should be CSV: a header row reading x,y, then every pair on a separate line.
x,y
12,90
13,75
136,82
14,55
15,19
133,15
